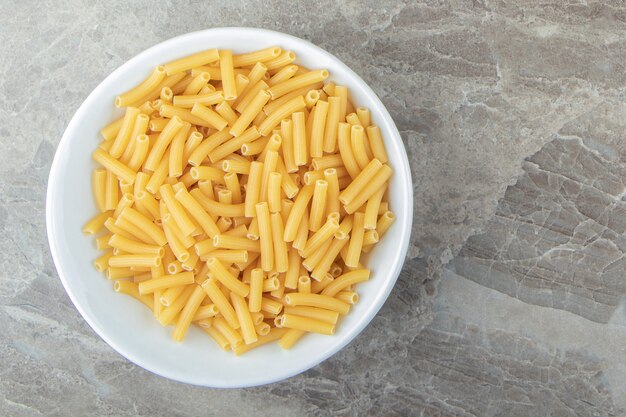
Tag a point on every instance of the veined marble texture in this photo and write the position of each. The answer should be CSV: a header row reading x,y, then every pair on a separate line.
x,y
511,299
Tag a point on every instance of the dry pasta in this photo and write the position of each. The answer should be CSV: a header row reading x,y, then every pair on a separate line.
x,y
237,195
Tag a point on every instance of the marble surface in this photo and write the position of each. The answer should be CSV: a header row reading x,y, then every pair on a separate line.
x,y
511,299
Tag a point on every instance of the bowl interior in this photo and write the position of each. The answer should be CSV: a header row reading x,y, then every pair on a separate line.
x,y
127,325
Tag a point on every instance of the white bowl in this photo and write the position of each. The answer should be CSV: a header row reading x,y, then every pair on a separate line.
x,y
128,326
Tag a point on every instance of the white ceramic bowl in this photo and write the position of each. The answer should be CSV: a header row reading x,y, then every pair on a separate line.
x,y
128,326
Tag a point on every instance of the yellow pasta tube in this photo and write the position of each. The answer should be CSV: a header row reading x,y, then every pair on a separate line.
x,y
262,55
233,336
228,75
124,134
177,149
188,101
236,167
313,259
318,205
364,116
269,166
294,105
271,306
102,242
219,271
206,146
241,82
250,112
296,82
357,140
332,199
272,336
377,181
327,316
290,338
169,111
169,313
221,302
300,152
188,313
230,256
139,153
191,61
226,112
225,241
293,269
166,95
139,128
98,185
346,280
283,75
207,173
199,81
134,247
158,176
193,141
265,236
232,183
205,312
167,281
297,211
136,93
332,125
234,144
356,241
176,209
212,118
121,261
216,208
102,263
371,209
281,261
255,75
245,320
285,58
272,145
311,98
321,236
135,232
318,129
323,266
345,150
377,144
341,91
317,300
304,284
384,223
157,125
307,324
194,208
111,130
256,290
174,242
142,222
253,189
273,192
249,94
162,142
130,288
95,224
116,167
361,182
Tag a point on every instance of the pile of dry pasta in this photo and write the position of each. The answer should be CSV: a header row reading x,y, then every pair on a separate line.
x,y
238,193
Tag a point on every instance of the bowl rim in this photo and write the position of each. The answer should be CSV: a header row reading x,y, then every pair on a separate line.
x,y
380,298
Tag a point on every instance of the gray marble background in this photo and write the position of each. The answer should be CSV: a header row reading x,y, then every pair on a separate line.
x,y
511,299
